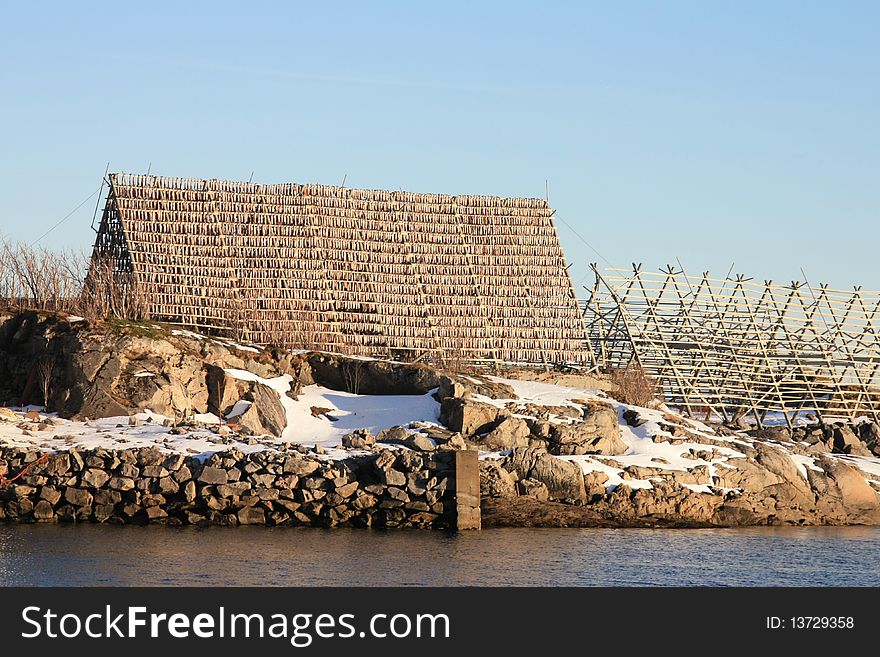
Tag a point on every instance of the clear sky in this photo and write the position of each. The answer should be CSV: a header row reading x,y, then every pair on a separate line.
x,y
717,132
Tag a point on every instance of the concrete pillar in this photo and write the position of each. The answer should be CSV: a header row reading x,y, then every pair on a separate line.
x,y
467,490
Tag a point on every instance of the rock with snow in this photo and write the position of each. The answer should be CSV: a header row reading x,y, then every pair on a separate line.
x,y
393,435
856,494
266,414
359,439
509,433
466,416
845,441
598,433
869,433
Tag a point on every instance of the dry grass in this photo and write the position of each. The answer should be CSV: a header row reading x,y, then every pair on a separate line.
x,y
634,385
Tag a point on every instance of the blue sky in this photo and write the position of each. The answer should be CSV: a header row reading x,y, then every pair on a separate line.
x,y
714,132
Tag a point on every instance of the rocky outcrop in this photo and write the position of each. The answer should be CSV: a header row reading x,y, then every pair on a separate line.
x,y
592,428
372,377
599,433
464,387
862,439
765,487
96,371
495,481
845,441
564,480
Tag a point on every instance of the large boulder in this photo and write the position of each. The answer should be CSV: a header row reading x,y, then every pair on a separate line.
x,y
869,432
372,377
781,464
748,475
597,433
265,415
223,392
845,441
564,480
510,433
466,416
856,494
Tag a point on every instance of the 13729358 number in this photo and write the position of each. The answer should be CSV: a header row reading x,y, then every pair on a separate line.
x,y
821,622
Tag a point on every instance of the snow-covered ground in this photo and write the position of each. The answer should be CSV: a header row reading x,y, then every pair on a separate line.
x,y
348,412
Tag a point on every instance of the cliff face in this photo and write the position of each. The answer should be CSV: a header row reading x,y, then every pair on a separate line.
x,y
114,369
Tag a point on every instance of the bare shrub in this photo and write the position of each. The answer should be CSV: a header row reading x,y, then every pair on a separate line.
x,y
45,368
35,278
634,385
40,279
108,292
351,372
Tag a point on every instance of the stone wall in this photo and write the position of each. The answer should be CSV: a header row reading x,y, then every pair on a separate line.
x,y
388,488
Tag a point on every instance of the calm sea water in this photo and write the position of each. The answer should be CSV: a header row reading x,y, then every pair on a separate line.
x,y
161,556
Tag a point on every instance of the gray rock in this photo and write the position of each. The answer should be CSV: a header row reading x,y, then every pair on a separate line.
x,y
266,415
234,489
252,515
121,483
384,460
598,433
156,513
393,477
347,490
174,462
168,486
467,417
78,497
266,493
394,435
359,439
564,480
106,497
103,512
511,432
534,488
182,474
156,471
150,456
128,470
265,480
94,478
845,441
779,434
299,466
420,443
43,511
495,481
50,494
869,432
211,475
